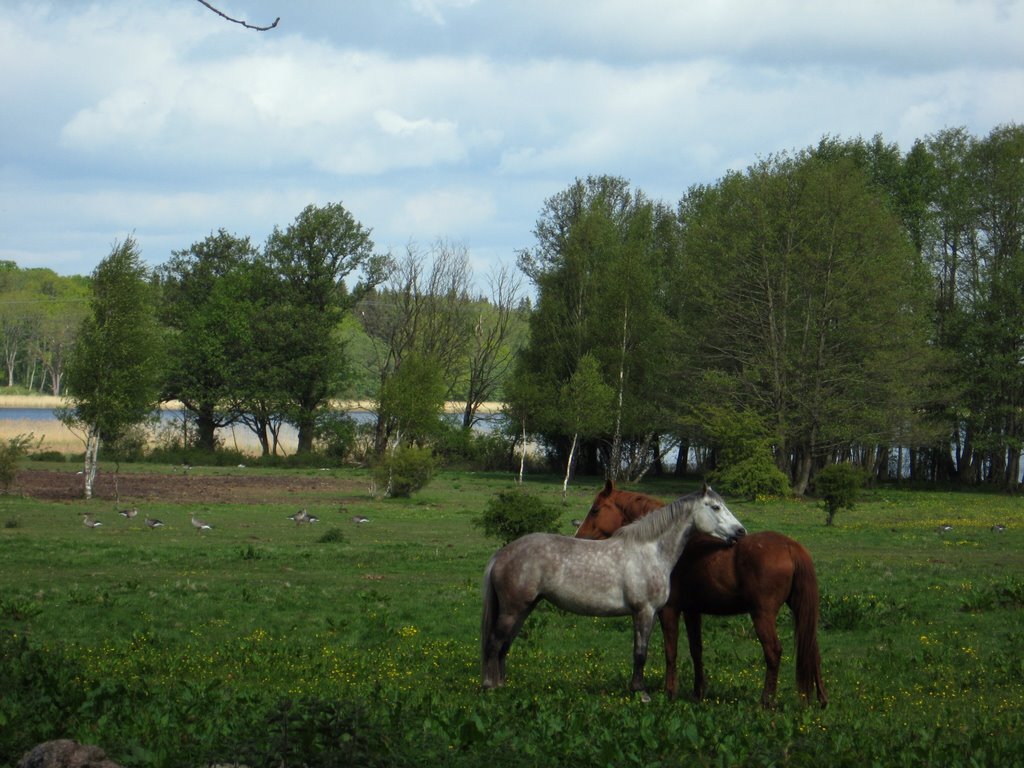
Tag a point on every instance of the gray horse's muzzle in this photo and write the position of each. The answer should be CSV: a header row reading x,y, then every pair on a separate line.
x,y
738,534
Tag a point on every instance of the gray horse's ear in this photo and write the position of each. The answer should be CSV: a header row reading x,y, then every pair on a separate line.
x,y
705,489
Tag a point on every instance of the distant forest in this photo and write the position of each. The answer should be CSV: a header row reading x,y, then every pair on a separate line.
x,y
848,302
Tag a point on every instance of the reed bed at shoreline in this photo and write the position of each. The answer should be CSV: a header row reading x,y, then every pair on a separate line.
x,y
51,402
53,435
57,437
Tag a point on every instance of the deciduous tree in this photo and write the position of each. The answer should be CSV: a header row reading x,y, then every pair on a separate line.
x,y
116,366
311,258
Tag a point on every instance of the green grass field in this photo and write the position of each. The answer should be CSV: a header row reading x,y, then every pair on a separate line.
x,y
259,643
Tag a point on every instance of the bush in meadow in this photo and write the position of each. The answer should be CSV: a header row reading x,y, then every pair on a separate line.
x,y
402,472
514,513
11,452
836,485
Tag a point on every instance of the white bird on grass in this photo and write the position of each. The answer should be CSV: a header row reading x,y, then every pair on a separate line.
x,y
152,522
199,525
129,513
88,521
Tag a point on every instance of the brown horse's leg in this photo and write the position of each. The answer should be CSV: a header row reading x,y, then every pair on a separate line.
x,y
643,623
669,618
764,626
693,636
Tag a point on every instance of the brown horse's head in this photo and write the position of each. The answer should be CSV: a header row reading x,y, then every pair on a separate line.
x,y
613,509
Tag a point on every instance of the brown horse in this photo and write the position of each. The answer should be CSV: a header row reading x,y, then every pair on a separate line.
x,y
756,576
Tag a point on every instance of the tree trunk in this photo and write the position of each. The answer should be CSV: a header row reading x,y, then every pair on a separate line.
x,y
206,428
92,450
615,461
682,458
802,476
568,467
306,430
522,456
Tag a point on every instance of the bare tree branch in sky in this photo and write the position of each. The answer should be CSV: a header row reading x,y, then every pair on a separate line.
x,y
245,24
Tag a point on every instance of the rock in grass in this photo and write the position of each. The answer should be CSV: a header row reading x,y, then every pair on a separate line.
x,y
66,753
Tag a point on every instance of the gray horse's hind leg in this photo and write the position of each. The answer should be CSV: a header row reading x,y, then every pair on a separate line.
x,y
505,629
643,623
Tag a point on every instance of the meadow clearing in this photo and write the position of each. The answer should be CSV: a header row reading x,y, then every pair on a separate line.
x,y
260,642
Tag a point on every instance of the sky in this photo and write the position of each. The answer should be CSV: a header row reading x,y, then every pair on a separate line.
x,y
448,120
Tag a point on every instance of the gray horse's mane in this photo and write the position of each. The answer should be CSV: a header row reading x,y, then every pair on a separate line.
x,y
660,520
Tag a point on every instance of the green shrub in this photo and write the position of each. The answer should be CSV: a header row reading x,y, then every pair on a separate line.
x,y
336,435
755,477
48,456
484,451
402,472
129,446
331,536
11,453
743,446
836,485
197,457
514,513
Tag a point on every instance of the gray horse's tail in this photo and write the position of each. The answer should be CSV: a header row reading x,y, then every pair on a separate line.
x,y
490,613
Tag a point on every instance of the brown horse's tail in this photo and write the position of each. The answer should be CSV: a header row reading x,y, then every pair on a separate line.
x,y
803,602
487,620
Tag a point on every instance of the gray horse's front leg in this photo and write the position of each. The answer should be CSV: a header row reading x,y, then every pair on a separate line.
x,y
643,623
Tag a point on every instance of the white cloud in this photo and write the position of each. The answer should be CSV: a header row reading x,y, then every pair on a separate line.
x,y
460,117
441,212
435,10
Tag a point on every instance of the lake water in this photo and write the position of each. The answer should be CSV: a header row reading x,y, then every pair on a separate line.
x,y
487,423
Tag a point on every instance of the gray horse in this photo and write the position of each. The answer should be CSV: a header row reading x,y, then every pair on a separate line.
x,y
627,574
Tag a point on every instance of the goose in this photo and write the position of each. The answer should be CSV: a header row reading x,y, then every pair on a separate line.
x,y
945,528
360,519
88,521
302,516
129,513
152,522
577,523
199,525
998,528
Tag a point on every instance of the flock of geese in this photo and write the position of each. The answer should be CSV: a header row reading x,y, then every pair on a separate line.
x,y
997,528
299,518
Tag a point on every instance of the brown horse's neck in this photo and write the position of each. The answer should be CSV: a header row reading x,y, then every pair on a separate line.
x,y
637,506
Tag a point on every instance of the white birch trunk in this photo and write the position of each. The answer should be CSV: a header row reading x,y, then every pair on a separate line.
x,y
616,452
522,455
92,450
391,464
568,466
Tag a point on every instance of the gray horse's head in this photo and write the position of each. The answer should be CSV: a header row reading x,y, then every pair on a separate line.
x,y
712,516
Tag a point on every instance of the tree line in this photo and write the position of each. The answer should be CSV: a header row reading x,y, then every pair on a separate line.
x,y
846,302
843,303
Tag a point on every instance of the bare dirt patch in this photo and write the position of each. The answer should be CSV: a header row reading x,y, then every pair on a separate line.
x,y
233,487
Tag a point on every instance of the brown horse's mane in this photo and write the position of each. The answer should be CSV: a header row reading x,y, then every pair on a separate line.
x,y
653,525
635,505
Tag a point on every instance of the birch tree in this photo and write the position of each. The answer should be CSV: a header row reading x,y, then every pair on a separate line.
x,y
114,372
